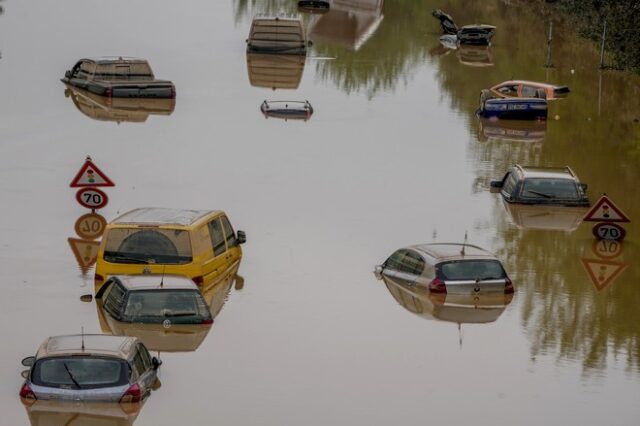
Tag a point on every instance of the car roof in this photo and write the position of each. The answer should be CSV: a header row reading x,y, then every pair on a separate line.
x,y
161,216
152,282
453,251
102,60
547,172
529,82
94,344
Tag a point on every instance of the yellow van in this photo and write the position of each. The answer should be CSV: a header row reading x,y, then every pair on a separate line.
x,y
199,244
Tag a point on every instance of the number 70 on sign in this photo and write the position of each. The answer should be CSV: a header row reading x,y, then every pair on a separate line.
x,y
92,198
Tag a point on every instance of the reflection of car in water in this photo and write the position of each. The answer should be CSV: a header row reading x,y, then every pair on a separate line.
x,y
349,23
547,217
280,35
275,71
540,185
287,110
474,56
90,367
447,268
180,333
118,78
135,110
512,130
313,6
199,244
54,413
461,309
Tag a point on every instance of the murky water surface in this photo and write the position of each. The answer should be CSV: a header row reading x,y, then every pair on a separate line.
x,y
392,156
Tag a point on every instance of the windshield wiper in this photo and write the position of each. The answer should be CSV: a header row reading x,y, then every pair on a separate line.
x,y
542,194
71,375
116,257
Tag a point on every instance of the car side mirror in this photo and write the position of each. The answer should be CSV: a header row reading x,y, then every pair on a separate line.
x,y
86,298
156,363
496,184
25,374
28,361
242,237
67,73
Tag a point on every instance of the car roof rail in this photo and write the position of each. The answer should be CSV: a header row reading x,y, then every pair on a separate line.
x,y
519,168
570,171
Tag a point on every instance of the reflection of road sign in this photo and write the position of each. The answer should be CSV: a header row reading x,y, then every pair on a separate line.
x,y
90,226
609,231
602,272
90,175
85,252
606,249
92,198
605,211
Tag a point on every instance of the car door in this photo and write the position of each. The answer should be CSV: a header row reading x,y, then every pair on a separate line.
x,y
234,252
146,374
216,265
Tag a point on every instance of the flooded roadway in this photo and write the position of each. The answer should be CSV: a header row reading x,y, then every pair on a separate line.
x,y
393,155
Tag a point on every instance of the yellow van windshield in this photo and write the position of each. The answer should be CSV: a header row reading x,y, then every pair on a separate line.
x,y
148,245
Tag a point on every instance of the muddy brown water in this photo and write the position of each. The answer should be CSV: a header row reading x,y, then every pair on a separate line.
x,y
392,156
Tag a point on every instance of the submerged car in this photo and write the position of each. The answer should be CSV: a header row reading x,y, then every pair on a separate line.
x,y
456,308
287,110
525,89
132,110
199,244
118,77
479,34
277,35
538,185
447,268
90,367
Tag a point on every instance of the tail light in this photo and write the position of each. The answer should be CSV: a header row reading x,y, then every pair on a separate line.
x,y
27,394
437,286
133,394
109,92
199,280
173,92
207,321
508,286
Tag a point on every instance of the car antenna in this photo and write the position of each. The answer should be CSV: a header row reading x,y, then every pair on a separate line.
x,y
82,334
464,244
162,278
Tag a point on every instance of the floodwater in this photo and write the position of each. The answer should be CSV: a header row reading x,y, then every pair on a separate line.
x,y
393,155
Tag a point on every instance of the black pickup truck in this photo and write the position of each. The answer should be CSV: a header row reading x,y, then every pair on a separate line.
x,y
118,77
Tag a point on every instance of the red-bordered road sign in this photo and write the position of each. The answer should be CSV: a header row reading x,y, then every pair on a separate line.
x,y
604,210
609,231
607,249
602,273
90,226
90,175
92,198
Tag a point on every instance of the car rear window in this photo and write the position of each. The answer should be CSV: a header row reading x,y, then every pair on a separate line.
x,y
148,245
472,270
549,189
184,306
80,372
124,71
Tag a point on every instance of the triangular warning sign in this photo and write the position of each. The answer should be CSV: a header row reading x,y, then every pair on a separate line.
x,y
602,273
90,175
85,252
605,211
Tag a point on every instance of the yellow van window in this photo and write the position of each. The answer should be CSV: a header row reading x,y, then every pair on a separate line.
x,y
148,245
217,237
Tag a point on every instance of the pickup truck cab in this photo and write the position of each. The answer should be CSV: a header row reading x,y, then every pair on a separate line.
x,y
118,78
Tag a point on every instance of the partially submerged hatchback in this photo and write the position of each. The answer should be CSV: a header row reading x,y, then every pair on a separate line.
x,y
118,77
538,185
152,299
447,268
90,367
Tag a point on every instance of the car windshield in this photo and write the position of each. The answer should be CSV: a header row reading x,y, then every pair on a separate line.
x,y
472,270
148,245
80,372
176,305
547,188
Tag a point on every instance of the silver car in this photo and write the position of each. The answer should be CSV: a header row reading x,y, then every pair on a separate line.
x,y
447,268
91,367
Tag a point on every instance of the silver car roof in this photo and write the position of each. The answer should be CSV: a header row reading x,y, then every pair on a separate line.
x,y
453,251
547,172
161,216
94,344
152,282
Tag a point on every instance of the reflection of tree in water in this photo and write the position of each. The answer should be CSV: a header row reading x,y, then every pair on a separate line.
x,y
562,312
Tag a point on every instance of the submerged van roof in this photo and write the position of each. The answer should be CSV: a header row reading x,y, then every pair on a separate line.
x,y
161,216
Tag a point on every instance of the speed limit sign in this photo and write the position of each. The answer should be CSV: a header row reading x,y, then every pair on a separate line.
x,y
92,198
90,226
609,231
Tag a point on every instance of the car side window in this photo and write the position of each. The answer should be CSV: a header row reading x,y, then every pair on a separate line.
x,y
230,236
412,263
217,237
529,91
146,358
510,184
509,90
394,262
138,364
84,71
114,301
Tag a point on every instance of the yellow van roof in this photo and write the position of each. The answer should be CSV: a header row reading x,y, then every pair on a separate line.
x,y
161,216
